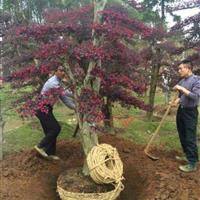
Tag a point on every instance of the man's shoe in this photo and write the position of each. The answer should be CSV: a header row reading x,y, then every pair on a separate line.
x,y
53,157
181,158
188,168
41,151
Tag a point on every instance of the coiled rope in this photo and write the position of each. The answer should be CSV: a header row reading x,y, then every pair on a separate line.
x,y
105,165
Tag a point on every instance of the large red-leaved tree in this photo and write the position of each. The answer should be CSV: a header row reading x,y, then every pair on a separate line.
x,y
92,44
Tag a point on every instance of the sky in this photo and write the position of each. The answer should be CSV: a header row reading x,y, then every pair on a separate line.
x,y
183,13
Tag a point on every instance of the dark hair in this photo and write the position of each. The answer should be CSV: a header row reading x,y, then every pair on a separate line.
x,y
188,63
61,68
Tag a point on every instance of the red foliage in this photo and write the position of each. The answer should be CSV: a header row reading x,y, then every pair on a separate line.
x,y
66,37
31,71
39,102
116,79
56,15
90,105
88,51
126,98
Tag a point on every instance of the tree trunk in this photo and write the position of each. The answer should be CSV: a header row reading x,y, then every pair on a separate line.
x,y
1,139
156,63
163,11
89,139
108,120
2,123
153,84
5,71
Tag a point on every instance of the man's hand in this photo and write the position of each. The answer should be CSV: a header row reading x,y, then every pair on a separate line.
x,y
178,87
181,89
175,103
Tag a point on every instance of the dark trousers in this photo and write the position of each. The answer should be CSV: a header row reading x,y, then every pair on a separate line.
x,y
51,130
186,121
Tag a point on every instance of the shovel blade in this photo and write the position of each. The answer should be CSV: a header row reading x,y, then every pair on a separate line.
x,y
152,157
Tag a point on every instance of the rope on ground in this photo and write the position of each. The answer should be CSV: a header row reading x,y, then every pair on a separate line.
x,y
105,165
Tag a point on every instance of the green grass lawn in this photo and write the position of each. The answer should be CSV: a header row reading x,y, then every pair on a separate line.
x,y
20,134
29,134
140,129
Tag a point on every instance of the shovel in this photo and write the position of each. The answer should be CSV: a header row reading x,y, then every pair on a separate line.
x,y
146,150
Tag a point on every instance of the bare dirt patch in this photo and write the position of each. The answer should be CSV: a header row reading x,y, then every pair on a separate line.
x,y
26,176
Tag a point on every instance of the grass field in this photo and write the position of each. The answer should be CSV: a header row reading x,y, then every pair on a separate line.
x,y
20,134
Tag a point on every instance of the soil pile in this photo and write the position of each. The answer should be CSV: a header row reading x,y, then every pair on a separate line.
x,y
26,176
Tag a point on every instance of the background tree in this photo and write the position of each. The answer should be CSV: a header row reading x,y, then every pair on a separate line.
x,y
28,11
160,56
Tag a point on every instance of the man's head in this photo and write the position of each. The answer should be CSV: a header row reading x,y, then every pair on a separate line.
x,y
185,68
60,72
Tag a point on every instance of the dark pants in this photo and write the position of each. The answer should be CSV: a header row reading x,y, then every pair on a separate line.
x,y
186,121
51,130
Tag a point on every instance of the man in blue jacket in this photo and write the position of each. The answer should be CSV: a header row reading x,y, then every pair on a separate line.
x,y
51,127
187,114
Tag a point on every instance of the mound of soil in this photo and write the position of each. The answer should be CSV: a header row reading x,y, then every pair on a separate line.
x,y
68,181
26,176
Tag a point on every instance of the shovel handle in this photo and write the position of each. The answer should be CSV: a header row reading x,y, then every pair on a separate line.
x,y
159,126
